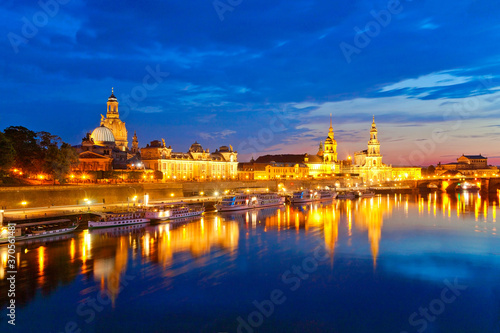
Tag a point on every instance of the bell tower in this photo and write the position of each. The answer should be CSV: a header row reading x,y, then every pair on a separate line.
x,y
113,122
373,157
135,144
112,106
330,150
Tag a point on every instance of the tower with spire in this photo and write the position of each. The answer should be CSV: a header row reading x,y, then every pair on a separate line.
x,y
113,122
373,157
135,144
330,150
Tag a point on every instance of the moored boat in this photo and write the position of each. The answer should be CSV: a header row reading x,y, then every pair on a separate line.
x,y
267,200
324,195
170,212
467,187
366,194
33,230
235,202
303,196
346,195
119,219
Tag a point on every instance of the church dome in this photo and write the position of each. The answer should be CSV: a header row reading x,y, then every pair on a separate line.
x,y
103,136
196,148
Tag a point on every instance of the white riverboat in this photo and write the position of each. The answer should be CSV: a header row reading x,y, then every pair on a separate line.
x,y
304,196
119,219
366,194
172,211
324,195
235,202
267,200
33,230
346,195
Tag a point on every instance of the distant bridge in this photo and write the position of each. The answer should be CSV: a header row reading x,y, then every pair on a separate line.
x,y
489,184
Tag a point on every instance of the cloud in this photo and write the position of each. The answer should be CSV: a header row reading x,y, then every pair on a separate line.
x,y
433,80
216,135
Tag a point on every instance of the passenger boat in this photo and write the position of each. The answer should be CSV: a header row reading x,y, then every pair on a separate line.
x,y
467,187
346,195
366,194
268,200
170,212
235,202
119,219
303,196
27,231
324,195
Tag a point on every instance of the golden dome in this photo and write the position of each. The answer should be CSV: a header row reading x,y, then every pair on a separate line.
x,y
103,136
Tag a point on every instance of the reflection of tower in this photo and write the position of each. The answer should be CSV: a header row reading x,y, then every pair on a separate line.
x,y
331,229
135,144
373,157
198,238
113,122
330,150
109,270
370,216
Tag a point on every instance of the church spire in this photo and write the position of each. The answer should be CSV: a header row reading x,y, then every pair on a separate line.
x,y
330,132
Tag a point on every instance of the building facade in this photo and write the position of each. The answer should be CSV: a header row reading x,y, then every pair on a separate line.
x,y
468,165
368,163
272,170
197,164
106,147
113,122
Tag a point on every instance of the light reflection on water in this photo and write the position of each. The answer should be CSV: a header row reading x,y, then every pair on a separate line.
x,y
401,235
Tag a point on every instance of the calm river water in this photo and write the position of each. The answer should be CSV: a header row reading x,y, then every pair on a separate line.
x,y
392,263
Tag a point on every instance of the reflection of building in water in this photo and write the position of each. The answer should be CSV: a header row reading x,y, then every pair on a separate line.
x,y
331,228
109,269
44,268
369,215
198,238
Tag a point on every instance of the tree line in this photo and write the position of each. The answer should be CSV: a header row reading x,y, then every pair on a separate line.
x,y
35,153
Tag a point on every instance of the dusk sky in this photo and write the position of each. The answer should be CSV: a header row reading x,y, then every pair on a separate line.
x,y
262,76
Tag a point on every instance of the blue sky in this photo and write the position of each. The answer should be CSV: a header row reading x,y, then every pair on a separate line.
x,y
263,76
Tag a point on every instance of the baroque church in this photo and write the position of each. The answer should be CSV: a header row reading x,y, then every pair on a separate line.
x,y
106,147
367,164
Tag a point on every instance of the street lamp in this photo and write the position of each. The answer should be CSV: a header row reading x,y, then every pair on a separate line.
x,y
24,203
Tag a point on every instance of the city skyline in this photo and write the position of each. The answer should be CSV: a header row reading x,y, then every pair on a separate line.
x,y
235,76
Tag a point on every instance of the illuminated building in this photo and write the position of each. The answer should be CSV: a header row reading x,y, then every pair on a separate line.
x,y
106,147
402,173
368,163
196,164
323,164
468,165
113,122
272,170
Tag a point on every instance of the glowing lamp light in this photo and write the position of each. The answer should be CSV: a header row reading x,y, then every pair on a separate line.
x,y
216,193
171,194
24,203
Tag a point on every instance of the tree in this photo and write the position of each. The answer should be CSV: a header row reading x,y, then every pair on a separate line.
x,y
158,175
7,153
28,154
58,161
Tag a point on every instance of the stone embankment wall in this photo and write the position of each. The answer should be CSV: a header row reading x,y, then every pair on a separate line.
x,y
45,196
